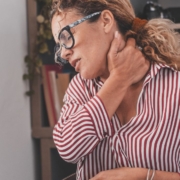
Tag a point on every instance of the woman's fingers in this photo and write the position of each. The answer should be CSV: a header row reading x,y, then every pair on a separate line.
x,y
131,42
126,60
116,45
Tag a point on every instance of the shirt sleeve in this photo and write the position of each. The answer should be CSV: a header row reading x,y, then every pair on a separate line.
x,y
81,126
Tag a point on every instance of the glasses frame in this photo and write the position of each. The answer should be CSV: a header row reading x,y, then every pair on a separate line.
x,y
67,28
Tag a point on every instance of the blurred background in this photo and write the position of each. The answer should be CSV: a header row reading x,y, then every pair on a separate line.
x,y
19,159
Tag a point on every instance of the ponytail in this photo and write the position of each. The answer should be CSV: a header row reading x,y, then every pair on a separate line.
x,y
160,43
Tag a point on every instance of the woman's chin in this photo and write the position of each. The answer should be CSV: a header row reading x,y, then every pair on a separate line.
x,y
87,75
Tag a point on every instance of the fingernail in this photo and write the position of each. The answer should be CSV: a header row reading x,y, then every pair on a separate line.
x,y
116,34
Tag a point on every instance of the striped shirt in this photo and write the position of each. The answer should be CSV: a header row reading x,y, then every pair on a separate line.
x,y
85,135
151,139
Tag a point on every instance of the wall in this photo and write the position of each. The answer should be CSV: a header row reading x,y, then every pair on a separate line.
x,y
16,147
139,5
169,3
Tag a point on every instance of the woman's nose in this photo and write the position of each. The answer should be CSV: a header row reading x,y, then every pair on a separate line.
x,y
66,53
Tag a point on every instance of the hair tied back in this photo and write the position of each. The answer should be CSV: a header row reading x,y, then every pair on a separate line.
x,y
138,24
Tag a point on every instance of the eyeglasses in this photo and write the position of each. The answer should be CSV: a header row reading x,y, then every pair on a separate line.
x,y
66,39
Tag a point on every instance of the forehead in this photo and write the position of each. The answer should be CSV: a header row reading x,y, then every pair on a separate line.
x,y
63,19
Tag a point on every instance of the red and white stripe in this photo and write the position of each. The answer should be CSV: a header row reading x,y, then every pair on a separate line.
x,y
152,138
85,135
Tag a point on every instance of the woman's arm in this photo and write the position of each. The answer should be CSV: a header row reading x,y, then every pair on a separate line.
x,y
126,67
82,125
135,174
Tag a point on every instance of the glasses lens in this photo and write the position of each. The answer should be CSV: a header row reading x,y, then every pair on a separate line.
x,y
66,39
58,58
56,48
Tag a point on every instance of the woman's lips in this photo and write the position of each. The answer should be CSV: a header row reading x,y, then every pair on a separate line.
x,y
77,65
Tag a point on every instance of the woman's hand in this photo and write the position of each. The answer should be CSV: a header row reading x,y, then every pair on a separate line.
x,y
126,61
127,66
122,174
126,173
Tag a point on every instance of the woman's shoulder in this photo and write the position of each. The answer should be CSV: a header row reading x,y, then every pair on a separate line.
x,y
165,76
164,71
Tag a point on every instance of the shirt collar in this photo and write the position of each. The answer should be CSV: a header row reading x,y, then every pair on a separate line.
x,y
154,70
98,82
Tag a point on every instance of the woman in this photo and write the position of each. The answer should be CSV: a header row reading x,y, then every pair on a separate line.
x,y
119,106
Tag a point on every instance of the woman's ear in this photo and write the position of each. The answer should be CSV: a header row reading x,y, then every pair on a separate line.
x,y
107,20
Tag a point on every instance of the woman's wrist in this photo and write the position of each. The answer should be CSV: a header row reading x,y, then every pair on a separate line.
x,y
112,93
151,174
120,81
163,175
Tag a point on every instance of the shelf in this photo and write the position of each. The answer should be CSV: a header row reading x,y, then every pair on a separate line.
x,y
53,166
42,132
46,145
48,163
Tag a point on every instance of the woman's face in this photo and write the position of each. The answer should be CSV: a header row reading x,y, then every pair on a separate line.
x,y
92,42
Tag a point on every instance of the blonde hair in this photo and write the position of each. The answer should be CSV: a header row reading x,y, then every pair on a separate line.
x,y
159,42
